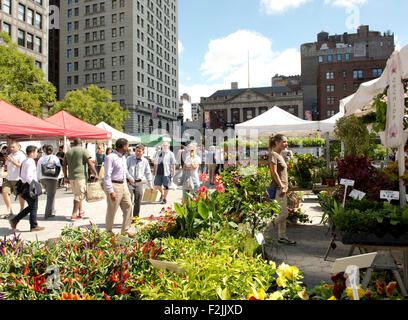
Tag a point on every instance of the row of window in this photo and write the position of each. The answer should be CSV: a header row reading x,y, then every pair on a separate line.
x,y
28,40
357,74
339,57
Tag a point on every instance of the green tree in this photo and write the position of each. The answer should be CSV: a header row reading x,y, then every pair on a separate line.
x,y
354,134
93,105
21,83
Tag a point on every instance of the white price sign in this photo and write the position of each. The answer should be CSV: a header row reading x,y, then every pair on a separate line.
x,y
346,182
389,195
357,195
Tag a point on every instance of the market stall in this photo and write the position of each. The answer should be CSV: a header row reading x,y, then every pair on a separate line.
x,y
16,124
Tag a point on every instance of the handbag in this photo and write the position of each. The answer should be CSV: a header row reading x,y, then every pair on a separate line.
x,y
178,178
150,195
34,189
188,184
270,193
50,169
94,192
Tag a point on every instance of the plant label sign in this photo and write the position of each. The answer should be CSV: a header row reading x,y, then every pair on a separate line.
x,y
389,195
356,194
169,266
259,238
347,183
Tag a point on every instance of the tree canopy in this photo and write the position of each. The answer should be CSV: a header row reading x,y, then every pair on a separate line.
x,y
21,83
93,105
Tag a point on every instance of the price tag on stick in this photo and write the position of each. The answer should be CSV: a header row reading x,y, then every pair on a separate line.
x,y
389,195
346,183
356,194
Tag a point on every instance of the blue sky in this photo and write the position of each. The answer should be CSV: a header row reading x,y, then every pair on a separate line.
x,y
216,36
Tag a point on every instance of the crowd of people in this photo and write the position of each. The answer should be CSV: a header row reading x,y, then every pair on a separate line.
x,y
122,173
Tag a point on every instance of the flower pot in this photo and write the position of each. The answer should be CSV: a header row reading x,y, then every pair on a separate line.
x,y
331,182
371,239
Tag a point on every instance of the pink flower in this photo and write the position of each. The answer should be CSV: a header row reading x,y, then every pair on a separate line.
x,y
220,188
204,177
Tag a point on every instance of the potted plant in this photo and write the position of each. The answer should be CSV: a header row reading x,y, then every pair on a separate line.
x,y
328,176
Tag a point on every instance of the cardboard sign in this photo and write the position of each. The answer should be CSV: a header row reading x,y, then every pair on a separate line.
x,y
357,195
164,265
347,183
361,261
389,195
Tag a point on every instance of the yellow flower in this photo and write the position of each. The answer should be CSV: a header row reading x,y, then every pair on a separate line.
x,y
360,292
281,282
303,295
258,295
277,295
332,298
285,271
272,264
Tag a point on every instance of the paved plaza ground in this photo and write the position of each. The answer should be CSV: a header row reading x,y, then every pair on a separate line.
x,y
312,239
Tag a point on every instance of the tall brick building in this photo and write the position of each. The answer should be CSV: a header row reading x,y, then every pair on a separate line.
x,y
336,65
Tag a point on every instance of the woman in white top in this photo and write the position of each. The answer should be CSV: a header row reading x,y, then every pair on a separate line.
x,y
27,175
190,167
50,183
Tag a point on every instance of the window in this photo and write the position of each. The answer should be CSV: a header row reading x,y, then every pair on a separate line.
x,y
38,20
347,56
30,16
69,81
330,113
7,6
38,64
69,67
329,58
114,33
330,100
114,75
344,74
6,28
21,38
21,12
69,26
330,88
329,75
69,13
122,89
30,41
114,61
377,72
339,57
38,45
69,53
121,60
357,74
122,75
114,90
248,114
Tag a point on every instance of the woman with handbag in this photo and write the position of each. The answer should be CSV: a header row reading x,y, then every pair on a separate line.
x,y
28,178
191,181
48,169
279,174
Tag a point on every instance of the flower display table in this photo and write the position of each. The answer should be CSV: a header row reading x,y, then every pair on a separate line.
x,y
386,258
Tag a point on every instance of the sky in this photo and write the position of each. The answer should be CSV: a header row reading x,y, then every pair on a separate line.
x,y
217,38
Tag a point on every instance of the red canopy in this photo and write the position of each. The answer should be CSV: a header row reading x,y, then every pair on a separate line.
x,y
17,124
76,128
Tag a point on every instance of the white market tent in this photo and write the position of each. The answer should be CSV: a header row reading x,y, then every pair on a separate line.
x,y
276,120
116,134
363,98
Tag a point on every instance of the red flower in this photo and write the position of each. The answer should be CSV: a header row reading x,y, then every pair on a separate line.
x,y
204,177
220,188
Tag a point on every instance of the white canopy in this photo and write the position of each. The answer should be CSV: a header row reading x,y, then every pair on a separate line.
x,y
116,134
277,120
367,91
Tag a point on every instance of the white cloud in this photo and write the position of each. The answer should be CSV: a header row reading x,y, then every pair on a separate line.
x,y
180,47
280,6
227,61
345,3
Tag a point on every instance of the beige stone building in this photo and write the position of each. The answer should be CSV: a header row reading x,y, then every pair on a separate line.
x,y
26,23
128,47
229,107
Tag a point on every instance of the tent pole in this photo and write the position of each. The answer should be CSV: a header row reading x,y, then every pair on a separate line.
x,y
401,171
